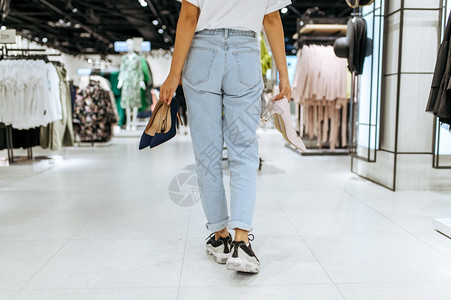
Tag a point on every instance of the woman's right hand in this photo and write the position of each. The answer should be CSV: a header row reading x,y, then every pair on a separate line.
x,y
169,87
284,90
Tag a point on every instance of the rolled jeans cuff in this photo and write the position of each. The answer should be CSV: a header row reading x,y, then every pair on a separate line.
x,y
218,226
240,225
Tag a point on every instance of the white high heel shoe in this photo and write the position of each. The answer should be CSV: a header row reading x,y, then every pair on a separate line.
x,y
280,109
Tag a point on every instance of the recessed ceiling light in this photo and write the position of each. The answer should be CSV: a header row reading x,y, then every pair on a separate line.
x,y
160,31
3,27
155,22
44,39
284,10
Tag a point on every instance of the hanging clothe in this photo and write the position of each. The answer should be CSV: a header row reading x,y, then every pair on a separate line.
x,y
320,86
104,84
60,133
265,57
114,80
93,114
29,93
73,93
145,101
439,102
131,75
21,138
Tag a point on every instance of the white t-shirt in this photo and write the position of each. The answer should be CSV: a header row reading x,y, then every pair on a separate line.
x,y
235,14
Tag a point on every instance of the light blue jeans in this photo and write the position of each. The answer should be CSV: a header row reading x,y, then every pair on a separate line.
x,y
222,81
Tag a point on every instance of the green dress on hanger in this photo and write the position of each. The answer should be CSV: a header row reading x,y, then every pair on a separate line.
x,y
147,80
114,79
131,75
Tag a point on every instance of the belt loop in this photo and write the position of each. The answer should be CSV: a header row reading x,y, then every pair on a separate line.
x,y
226,33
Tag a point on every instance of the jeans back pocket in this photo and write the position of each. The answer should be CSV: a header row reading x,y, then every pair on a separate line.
x,y
249,67
199,64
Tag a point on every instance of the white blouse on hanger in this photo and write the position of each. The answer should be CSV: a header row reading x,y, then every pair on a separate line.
x,y
30,93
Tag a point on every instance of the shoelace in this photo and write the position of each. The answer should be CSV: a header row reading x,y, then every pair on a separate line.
x,y
250,236
211,235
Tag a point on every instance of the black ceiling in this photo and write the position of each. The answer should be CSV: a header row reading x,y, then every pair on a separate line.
x,y
92,26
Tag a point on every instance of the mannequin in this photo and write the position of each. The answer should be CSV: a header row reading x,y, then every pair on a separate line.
x,y
131,80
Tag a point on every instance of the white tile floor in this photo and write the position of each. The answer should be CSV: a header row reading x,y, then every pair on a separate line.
x,y
99,224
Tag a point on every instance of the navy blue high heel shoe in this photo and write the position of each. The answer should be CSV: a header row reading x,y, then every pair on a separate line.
x,y
162,125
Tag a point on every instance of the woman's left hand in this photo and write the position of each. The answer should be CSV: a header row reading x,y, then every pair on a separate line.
x,y
168,88
285,90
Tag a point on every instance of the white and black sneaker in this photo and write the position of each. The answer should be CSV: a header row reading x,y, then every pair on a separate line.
x,y
220,249
243,258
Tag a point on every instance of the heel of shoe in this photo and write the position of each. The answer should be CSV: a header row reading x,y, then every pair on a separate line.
x,y
265,116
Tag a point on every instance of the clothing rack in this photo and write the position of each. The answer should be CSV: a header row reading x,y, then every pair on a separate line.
x,y
318,31
16,54
26,53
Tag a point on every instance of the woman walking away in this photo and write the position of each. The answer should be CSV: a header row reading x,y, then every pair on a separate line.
x,y
218,51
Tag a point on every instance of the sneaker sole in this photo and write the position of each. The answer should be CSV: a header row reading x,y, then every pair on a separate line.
x,y
220,258
237,264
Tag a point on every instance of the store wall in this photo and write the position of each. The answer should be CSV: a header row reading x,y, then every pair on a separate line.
x,y
404,158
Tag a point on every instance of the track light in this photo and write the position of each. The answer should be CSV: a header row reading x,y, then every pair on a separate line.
x,y
143,3
284,10
155,22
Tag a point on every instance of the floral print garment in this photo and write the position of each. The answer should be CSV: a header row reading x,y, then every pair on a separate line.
x,y
93,114
131,75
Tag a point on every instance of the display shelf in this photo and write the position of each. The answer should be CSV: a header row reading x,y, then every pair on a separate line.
x,y
316,152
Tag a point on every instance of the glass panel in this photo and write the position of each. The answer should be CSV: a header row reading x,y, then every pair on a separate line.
x,y
420,25
368,106
414,126
394,25
422,3
393,5
442,146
